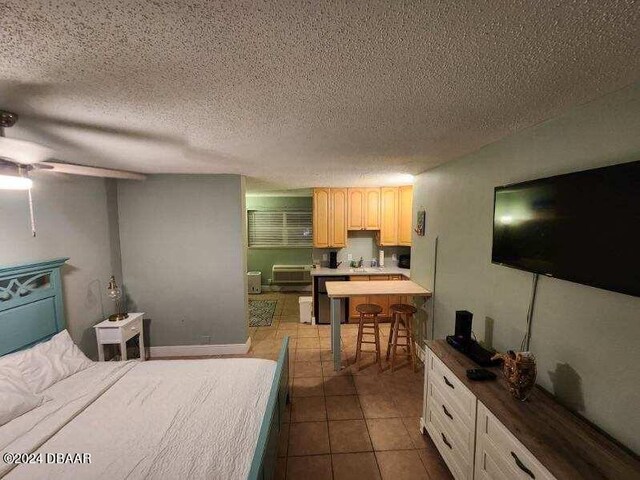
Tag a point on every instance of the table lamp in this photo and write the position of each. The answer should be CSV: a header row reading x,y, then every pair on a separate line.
x,y
114,293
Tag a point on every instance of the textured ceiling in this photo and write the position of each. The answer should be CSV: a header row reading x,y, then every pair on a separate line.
x,y
302,93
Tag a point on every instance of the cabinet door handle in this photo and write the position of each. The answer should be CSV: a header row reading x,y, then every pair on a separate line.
x,y
521,466
446,380
446,412
446,442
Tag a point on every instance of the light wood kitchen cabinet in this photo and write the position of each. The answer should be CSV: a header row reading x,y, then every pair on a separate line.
x,y
329,217
405,215
321,200
389,216
363,209
355,301
383,300
387,210
356,207
338,217
372,202
395,298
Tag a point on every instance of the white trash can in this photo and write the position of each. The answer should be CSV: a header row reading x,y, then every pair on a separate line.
x,y
255,282
305,309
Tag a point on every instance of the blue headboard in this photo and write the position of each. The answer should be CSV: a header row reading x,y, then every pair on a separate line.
x,y
31,305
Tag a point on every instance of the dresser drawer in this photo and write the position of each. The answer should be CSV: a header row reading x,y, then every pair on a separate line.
x,y
457,395
497,448
490,465
459,427
119,334
109,335
457,456
132,329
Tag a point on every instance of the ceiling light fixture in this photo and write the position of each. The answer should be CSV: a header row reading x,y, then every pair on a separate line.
x,y
12,182
14,177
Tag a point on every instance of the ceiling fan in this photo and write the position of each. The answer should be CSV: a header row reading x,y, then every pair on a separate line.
x,y
19,157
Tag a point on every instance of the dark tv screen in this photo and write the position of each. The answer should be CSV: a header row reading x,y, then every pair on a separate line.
x,y
583,227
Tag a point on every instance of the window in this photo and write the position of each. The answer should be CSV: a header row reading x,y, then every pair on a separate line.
x,y
280,228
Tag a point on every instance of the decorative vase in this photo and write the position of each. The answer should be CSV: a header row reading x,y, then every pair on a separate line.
x,y
520,371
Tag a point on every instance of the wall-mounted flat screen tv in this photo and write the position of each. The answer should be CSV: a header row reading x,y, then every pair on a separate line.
x,y
583,227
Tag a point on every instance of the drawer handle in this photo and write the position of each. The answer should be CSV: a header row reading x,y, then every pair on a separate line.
x,y
446,412
446,380
446,442
521,466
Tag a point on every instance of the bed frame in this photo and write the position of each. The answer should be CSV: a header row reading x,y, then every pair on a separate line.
x,y
31,304
265,457
32,311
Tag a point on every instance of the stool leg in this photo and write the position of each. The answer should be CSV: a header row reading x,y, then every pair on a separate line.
x,y
394,347
410,340
359,341
376,332
390,340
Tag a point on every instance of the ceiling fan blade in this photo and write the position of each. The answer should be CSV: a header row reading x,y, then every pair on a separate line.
x,y
92,171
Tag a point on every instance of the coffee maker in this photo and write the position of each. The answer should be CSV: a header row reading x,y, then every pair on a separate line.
x,y
333,259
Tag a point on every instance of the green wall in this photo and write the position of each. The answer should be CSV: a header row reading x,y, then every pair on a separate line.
x,y
263,259
585,339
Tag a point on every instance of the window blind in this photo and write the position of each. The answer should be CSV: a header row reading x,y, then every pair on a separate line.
x,y
280,228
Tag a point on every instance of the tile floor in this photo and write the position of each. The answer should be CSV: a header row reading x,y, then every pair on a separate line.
x,y
353,424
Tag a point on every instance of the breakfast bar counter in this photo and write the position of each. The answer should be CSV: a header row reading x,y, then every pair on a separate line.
x,y
338,291
356,271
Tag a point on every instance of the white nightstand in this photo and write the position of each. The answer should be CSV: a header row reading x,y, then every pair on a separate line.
x,y
119,332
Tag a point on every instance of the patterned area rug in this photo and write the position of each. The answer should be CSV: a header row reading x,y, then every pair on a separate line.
x,y
261,312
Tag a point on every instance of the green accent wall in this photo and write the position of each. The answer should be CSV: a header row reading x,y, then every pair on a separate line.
x,y
585,339
263,259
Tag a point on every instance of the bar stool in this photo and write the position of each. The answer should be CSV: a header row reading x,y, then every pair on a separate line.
x,y
369,320
401,320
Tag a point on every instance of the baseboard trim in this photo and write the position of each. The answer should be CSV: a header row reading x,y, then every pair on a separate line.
x,y
197,350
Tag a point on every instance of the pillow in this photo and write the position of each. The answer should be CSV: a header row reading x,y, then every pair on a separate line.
x,y
49,362
15,397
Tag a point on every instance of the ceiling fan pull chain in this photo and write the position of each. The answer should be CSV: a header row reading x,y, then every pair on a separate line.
x,y
33,220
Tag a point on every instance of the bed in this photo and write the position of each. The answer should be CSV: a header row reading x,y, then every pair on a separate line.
x,y
162,419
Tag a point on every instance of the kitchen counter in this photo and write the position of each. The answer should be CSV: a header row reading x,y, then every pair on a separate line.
x,y
388,287
346,271
340,291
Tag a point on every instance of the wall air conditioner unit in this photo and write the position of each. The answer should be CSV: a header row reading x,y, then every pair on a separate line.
x,y
288,274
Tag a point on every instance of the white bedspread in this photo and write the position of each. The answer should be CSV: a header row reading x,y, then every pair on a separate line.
x,y
164,420
65,400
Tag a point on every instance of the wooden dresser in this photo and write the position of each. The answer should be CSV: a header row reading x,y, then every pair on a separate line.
x,y
482,432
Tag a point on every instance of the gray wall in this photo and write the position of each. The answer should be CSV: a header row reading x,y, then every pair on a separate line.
x,y
183,240
75,218
585,339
